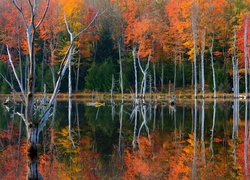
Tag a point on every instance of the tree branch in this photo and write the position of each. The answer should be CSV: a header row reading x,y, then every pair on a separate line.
x,y
85,29
22,116
14,70
21,11
44,14
12,88
63,67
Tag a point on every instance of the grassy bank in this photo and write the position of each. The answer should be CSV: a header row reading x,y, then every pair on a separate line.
x,y
99,96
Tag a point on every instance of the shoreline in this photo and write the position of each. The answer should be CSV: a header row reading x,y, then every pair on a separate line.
x,y
100,96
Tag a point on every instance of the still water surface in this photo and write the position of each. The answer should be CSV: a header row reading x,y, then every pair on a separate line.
x,y
202,140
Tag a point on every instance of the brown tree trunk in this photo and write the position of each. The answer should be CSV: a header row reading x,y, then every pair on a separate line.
x,y
33,136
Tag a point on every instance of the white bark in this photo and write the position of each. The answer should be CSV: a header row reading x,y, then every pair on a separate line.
x,y
112,90
212,130
194,166
120,130
15,74
235,71
63,67
194,15
212,64
203,149
134,114
174,72
144,72
202,64
246,136
121,73
246,55
70,99
246,140
136,81
144,123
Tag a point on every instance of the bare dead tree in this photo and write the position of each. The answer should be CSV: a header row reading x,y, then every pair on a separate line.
x,y
36,116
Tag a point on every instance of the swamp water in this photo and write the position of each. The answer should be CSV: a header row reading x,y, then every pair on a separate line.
x,y
202,140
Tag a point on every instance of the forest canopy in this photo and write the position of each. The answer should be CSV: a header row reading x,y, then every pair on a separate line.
x,y
174,35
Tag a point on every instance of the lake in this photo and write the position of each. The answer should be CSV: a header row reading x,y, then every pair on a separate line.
x,y
198,140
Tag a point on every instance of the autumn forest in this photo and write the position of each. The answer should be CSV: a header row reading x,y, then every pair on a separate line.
x,y
186,43
132,47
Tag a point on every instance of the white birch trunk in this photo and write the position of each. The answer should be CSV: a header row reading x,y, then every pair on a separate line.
x,y
144,79
246,136
235,71
212,130
246,141
194,14
246,56
194,167
121,73
202,64
212,64
136,81
70,102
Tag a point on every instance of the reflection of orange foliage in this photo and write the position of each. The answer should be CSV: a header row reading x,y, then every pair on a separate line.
x,y
88,159
50,169
80,162
144,163
12,156
243,153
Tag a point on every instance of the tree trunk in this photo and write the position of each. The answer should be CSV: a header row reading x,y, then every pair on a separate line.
x,y
136,81
183,74
212,64
52,68
120,130
194,167
246,141
144,79
235,70
77,73
212,130
70,103
194,15
26,70
121,73
112,90
20,58
246,56
203,149
174,72
154,76
32,137
162,76
202,64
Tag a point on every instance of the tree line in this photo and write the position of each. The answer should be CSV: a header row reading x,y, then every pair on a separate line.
x,y
183,40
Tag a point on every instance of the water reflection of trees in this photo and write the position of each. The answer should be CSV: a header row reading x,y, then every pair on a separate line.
x,y
182,143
